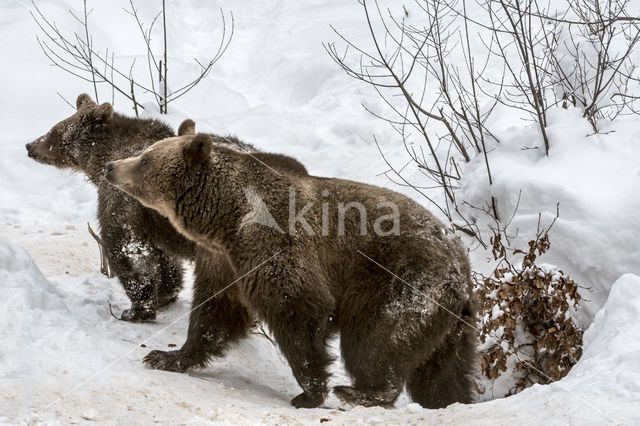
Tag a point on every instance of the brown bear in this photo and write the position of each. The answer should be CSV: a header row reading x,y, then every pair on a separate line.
x,y
315,256
144,250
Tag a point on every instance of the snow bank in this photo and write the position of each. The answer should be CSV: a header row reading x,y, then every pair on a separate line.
x,y
30,306
594,178
612,346
41,322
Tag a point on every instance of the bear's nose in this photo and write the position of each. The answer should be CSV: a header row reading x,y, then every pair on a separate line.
x,y
109,166
30,153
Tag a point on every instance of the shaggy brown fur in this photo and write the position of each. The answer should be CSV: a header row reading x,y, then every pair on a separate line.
x,y
320,277
280,162
144,250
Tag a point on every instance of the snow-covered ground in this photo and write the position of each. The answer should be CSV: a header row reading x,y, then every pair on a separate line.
x,y
63,357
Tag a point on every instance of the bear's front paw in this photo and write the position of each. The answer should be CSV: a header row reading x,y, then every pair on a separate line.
x,y
132,314
168,361
308,400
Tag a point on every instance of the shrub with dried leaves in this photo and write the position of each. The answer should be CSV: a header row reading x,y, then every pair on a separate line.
x,y
527,328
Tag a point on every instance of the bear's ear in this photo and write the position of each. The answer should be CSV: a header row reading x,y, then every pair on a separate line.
x,y
188,127
84,100
102,113
197,151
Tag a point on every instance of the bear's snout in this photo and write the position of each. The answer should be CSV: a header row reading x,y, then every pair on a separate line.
x,y
110,173
31,151
115,173
40,150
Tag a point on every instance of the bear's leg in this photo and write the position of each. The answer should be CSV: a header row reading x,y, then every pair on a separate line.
x,y
303,341
386,330
136,263
376,368
446,376
170,282
301,324
217,318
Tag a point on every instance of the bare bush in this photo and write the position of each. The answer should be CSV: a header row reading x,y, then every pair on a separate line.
x,y
518,33
593,60
75,53
406,59
440,98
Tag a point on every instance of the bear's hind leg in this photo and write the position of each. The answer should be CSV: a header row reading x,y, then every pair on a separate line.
x,y
217,318
303,341
380,395
375,369
446,376
301,325
377,363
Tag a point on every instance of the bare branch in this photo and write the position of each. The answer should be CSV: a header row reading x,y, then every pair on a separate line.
x,y
76,55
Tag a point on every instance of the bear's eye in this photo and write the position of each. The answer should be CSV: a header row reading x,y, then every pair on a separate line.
x,y
144,162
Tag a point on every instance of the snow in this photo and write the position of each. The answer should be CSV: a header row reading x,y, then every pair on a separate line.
x,y
69,361
593,178
65,359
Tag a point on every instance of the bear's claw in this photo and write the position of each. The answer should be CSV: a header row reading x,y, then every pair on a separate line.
x,y
305,400
353,396
165,360
134,315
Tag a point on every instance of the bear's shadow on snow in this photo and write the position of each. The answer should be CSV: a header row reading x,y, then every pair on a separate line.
x,y
253,366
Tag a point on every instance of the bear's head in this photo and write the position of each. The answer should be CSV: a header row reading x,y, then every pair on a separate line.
x,y
63,146
164,171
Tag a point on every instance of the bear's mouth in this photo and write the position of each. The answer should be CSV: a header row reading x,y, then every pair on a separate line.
x,y
112,178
